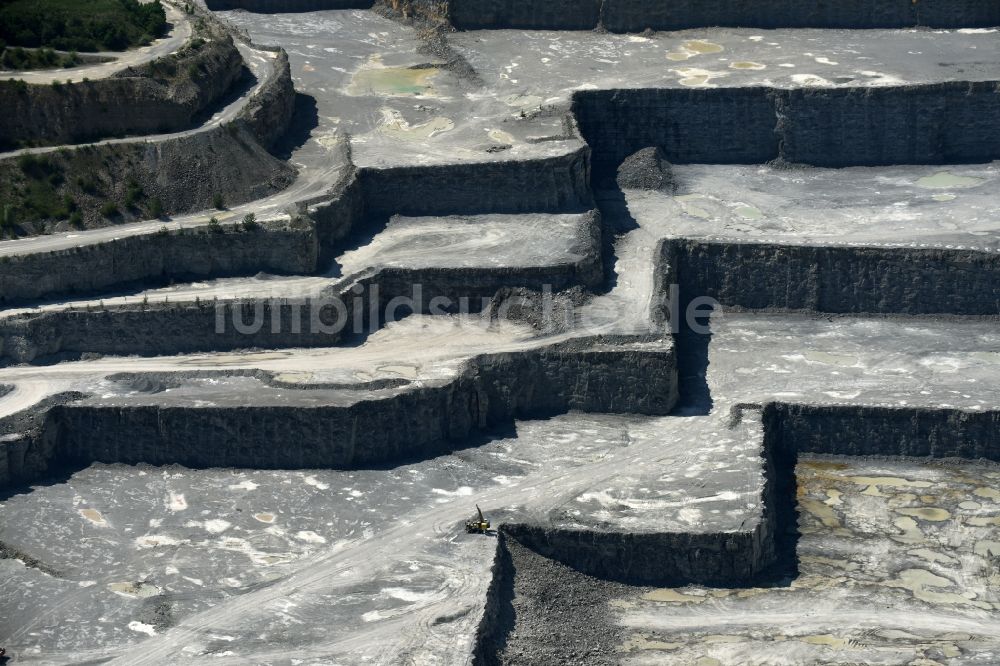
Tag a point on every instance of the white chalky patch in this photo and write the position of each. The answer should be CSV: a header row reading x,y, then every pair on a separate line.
x,y
142,628
316,483
217,526
176,502
309,536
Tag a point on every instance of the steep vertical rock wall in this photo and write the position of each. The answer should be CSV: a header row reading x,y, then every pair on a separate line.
x,y
884,280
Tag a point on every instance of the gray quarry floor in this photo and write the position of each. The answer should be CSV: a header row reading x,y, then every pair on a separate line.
x,y
369,563
902,206
559,62
401,107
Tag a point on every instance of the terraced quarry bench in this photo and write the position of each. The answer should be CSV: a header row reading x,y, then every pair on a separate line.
x,y
745,415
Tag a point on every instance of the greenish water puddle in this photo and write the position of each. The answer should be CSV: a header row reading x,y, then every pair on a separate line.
x,y
394,81
749,212
943,180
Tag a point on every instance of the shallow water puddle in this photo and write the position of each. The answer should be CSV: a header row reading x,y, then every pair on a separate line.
x,y
947,180
394,81
694,47
93,516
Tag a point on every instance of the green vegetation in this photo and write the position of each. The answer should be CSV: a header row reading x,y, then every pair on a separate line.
x,y
80,25
250,222
38,195
87,185
44,58
218,202
214,226
132,194
155,207
109,209
7,219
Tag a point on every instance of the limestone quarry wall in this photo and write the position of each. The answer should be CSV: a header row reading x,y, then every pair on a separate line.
x,y
173,328
834,127
280,6
886,431
337,216
164,96
498,616
884,280
527,15
491,390
311,240
665,558
269,111
189,253
638,15
554,184
918,124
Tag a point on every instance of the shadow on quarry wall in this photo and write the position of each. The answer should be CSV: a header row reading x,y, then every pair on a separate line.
x,y
830,127
695,396
639,15
616,221
287,6
182,172
304,119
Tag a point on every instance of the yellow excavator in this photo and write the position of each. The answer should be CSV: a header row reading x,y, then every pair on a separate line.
x,y
478,525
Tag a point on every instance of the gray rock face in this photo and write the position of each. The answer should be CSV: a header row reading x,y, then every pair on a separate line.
x,y
555,184
638,15
531,15
335,218
282,6
913,124
269,112
725,126
882,431
164,96
277,247
647,169
880,280
917,124
652,559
